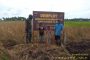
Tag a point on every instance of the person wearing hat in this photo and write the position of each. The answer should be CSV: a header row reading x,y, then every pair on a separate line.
x,y
28,29
58,28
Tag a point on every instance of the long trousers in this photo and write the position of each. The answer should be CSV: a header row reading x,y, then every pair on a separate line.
x,y
28,38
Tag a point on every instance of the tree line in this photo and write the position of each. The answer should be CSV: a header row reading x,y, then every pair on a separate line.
x,y
78,19
23,18
13,19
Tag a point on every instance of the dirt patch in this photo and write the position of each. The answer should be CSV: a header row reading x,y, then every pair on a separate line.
x,y
37,52
81,48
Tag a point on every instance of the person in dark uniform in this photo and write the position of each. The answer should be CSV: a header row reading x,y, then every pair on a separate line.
x,y
28,29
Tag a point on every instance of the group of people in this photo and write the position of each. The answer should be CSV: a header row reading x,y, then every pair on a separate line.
x,y
58,30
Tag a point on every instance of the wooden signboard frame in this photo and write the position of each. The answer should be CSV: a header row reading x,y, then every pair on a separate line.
x,y
47,19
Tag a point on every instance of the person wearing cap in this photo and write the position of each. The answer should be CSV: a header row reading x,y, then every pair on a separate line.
x,y
58,28
28,29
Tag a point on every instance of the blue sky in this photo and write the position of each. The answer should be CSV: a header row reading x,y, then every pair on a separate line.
x,y
71,8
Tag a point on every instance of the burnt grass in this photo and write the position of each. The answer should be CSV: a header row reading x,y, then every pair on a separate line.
x,y
81,47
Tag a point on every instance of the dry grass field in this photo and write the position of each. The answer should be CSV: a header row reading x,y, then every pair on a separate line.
x,y
12,30
12,33
15,30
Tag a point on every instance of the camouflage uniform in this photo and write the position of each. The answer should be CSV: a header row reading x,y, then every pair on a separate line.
x,y
29,29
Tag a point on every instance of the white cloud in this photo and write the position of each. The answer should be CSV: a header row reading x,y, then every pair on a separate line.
x,y
72,8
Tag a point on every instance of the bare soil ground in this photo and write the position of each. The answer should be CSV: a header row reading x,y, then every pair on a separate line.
x,y
37,52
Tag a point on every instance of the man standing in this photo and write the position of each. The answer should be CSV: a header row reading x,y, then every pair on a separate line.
x,y
41,33
58,31
28,29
